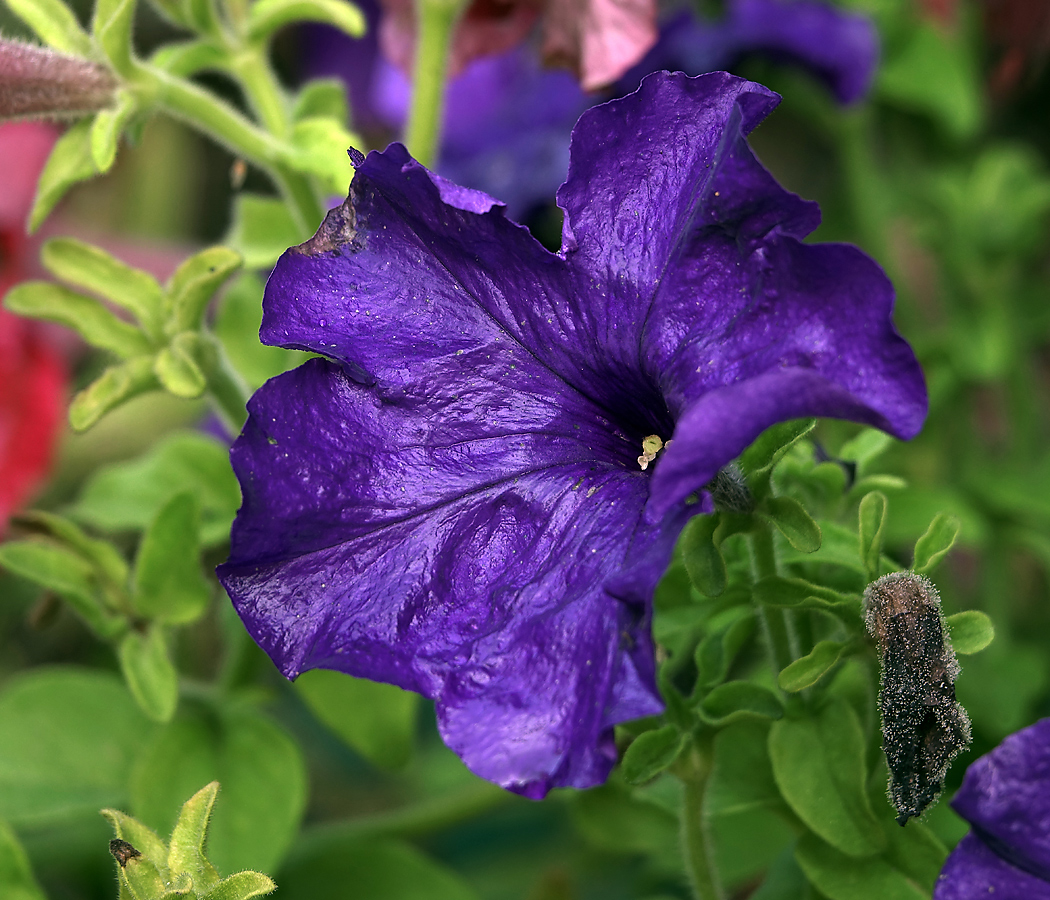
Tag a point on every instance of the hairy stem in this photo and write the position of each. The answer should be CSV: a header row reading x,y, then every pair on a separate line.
x,y
694,770
436,20
776,628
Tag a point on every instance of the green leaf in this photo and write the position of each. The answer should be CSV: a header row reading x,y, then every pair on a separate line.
x,y
113,387
89,318
237,326
321,145
262,229
102,555
67,574
843,877
169,584
935,74
375,870
111,27
773,443
935,543
808,670
377,720
177,369
68,738
735,701
93,269
819,765
716,652
650,753
55,24
703,560
143,880
792,521
149,672
186,849
322,97
970,631
612,819
129,495
742,778
143,839
266,16
242,886
107,128
795,593
195,283
186,58
865,448
16,876
260,768
70,161
872,515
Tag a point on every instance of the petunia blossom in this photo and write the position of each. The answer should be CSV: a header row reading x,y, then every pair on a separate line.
x,y
452,501
32,373
508,119
1005,796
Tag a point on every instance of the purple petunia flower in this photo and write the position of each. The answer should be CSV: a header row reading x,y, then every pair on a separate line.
x,y
453,501
1005,796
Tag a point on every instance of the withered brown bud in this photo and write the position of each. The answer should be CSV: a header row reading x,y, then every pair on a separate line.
x,y
122,851
39,83
923,726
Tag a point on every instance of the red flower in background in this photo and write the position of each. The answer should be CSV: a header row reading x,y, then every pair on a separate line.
x,y
32,374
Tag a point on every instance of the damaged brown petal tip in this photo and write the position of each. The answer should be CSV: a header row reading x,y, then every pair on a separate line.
x,y
923,726
39,83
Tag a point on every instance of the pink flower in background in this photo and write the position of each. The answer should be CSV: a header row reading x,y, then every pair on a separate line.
x,y
32,373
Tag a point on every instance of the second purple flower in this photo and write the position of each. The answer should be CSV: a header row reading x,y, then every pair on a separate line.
x,y
453,500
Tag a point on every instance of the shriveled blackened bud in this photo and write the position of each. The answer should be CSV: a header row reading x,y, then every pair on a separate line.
x,y
923,726
729,490
122,851
40,83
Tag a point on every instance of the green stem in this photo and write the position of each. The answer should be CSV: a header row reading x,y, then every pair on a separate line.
x,y
436,20
226,389
693,770
263,92
185,101
773,621
417,820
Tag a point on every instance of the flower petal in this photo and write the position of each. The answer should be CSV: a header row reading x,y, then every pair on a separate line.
x,y
505,575
974,872
1005,796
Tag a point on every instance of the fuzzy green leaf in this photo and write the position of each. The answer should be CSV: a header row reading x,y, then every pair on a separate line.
x,y
111,26
149,672
819,765
321,143
106,559
186,58
242,886
650,753
88,317
322,97
113,387
735,701
792,521
143,839
935,543
840,876
262,229
808,670
107,128
16,876
93,269
872,515
703,559
70,161
266,16
716,652
186,850
177,369
169,585
970,631
55,24
195,283
377,720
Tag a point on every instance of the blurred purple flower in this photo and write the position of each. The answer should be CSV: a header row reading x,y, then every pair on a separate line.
x,y
1005,796
508,119
454,503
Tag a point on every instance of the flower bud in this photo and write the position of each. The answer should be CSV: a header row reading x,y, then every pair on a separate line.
x,y
923,726
39,83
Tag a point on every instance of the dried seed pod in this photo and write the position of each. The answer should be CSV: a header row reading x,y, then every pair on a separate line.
x,y
122,851
923,726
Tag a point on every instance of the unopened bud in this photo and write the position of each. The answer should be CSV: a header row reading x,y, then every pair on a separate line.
x,y
729,490
923,726
39,83
122,851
